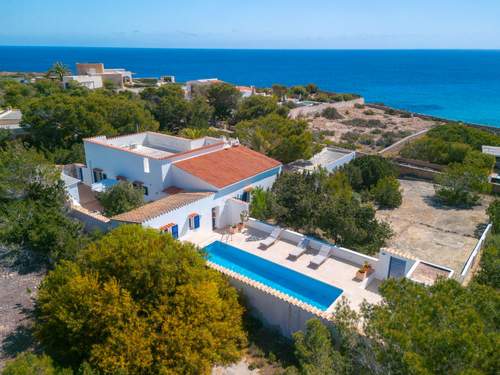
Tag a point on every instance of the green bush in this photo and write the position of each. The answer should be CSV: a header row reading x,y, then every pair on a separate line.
x,y
493,212
460,185
366,171
369,112
331,113
31,364
387,192
490,262
120,198
469,135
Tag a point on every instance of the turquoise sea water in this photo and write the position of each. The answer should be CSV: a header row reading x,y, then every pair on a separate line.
x,y
456,84
285,280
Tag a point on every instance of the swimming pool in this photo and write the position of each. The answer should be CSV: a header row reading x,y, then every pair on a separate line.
x,y
285,280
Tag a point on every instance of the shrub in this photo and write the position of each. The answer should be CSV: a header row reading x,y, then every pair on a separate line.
x,y
359,106
350,137
31,364
120,198
261,204
366,171
387,192
493,212
139,302
366,139
490,263
369,112
460,184
331,113
469,135
390,111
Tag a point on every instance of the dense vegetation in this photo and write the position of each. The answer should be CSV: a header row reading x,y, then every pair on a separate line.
x,y
459,148
138,301
325,205
33,210
120,198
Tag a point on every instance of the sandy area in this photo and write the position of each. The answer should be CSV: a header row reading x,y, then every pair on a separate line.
x,y
368,128
439,235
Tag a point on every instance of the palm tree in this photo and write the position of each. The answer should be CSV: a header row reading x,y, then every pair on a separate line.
x,y
58,70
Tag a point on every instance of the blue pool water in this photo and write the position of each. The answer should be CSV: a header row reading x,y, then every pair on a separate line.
x,y
285,280
455,84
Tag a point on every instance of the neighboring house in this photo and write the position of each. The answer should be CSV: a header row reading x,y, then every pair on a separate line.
x,y
330,158
90,82
246,91
118,76
10,119
191,185
495,151
193,86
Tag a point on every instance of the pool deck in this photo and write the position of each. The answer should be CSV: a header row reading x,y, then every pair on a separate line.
x,y
333,271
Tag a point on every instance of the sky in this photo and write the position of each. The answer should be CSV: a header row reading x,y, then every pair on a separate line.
x,y
304,24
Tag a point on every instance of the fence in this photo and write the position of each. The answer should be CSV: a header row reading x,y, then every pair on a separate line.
x,y
473,256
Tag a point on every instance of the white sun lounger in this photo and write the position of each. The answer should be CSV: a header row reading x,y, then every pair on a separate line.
x,y
324,253
300,249
272,238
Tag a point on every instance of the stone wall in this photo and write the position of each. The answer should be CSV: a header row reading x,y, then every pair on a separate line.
x,y
317,109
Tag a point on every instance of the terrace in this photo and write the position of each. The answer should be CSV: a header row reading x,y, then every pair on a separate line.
x,y
334,271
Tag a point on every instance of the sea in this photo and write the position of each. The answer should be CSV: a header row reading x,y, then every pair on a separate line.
x,y
462,85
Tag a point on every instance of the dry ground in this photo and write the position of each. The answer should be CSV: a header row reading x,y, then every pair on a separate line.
x,y
382,130
439,235
20,276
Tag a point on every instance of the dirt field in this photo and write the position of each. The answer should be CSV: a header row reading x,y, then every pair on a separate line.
x,y
436,234
18,286
368,128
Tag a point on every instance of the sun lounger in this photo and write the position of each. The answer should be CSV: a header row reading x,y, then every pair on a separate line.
x,y
300,249
324,253
272,238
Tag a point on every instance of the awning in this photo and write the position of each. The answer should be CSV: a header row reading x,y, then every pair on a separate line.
x,y
167,226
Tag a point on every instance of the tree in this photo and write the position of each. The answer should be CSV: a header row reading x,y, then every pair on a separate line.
x,y
364,172
331,113
490,263
278,137
493,212
31,364
120,198
14,94
312,88
315,352
32,206
469,135
58,70
62,120
387,192
168,105
298,92
261,204
257,106
138,301
279,91
224,99
200,113
460,185
441,329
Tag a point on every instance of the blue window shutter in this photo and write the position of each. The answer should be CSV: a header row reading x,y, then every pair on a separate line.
x,y
175,231
197,221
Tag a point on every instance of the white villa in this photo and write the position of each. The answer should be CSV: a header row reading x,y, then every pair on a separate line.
x,y
197,190
92,76
190,185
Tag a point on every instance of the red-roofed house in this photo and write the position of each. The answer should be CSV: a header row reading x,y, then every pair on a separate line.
x,y
190,184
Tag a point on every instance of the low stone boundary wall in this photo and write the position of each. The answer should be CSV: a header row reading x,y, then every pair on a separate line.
x,y
398,146
318,108
91,220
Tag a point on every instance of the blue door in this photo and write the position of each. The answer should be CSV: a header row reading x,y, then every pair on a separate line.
x,y
397,268
196,221
175,231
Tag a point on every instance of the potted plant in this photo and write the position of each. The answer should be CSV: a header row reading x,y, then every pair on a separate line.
x,y
361,274
368,268
243,218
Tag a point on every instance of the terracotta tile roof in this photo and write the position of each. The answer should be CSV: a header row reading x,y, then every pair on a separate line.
x,y
227,166
173,190
161,206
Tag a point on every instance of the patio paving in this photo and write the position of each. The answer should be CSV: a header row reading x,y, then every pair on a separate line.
x,y
333,271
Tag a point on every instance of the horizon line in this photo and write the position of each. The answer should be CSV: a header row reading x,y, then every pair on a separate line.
x,y
252,49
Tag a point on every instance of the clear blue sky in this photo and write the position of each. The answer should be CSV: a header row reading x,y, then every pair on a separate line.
x,y
252,23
